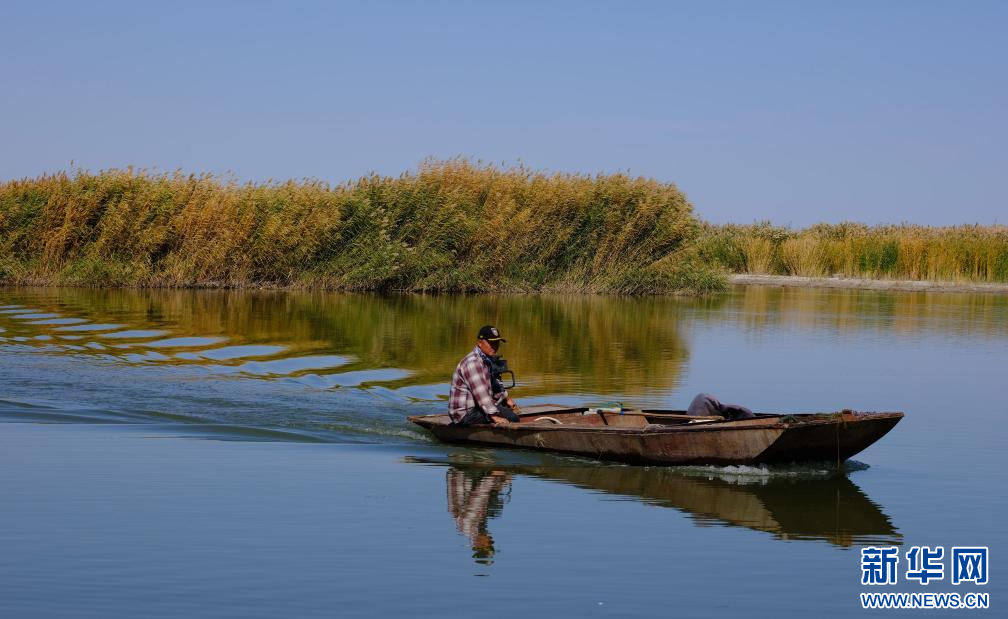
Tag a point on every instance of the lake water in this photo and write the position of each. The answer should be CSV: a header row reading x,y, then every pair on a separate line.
x,y
223,453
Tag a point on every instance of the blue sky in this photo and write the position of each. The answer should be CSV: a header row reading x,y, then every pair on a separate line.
x,y
796,112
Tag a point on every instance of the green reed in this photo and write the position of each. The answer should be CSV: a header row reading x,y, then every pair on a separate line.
x,y
954,253
450,226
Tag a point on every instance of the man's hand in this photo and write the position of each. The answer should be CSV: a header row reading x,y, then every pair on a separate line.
x,y
498,421
512,404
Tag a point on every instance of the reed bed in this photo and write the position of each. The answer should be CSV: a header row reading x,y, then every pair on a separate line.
x,y
971,253
449,226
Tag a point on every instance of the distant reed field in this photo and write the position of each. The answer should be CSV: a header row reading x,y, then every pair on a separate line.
x,y
955,253
450,226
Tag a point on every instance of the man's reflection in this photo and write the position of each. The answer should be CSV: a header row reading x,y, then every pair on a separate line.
x,y
474,496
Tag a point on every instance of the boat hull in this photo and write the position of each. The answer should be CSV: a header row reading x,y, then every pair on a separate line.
x,y
766,439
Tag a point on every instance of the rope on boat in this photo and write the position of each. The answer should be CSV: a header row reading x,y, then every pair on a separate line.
x,y
553,419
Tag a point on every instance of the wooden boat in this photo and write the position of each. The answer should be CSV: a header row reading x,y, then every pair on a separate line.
x,y
672,437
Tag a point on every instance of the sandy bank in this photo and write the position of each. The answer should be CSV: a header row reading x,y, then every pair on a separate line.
x,y
865,284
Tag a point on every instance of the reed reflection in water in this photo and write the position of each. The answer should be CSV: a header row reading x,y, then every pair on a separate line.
x,y
852,311
397,352
559,345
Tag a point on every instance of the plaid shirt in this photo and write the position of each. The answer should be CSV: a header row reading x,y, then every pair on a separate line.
x,y
470,387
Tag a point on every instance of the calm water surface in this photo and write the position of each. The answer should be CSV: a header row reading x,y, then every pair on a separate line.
x,y
247,454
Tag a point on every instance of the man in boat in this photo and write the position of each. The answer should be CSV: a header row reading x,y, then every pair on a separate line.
x,y
477,396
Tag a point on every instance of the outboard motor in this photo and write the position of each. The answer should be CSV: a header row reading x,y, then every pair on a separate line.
x,y
498,370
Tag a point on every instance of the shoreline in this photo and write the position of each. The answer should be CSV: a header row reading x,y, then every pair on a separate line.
x,y
733,279
852,283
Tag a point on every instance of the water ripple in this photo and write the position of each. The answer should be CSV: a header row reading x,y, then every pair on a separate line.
x,y
58,321
91,327
135,333
184,342
232,352
285,366
354,379
146,356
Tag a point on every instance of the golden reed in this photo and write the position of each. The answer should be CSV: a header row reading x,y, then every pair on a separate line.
x,y
953,253
450,226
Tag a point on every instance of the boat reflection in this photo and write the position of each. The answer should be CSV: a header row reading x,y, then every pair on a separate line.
x,y
790,505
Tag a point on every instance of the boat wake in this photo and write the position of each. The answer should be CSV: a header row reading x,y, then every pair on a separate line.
x,y
762,473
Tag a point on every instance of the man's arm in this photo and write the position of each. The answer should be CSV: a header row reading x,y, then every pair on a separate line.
x,y
507,399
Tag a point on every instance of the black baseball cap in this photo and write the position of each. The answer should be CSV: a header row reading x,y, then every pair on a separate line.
x,y
490,334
